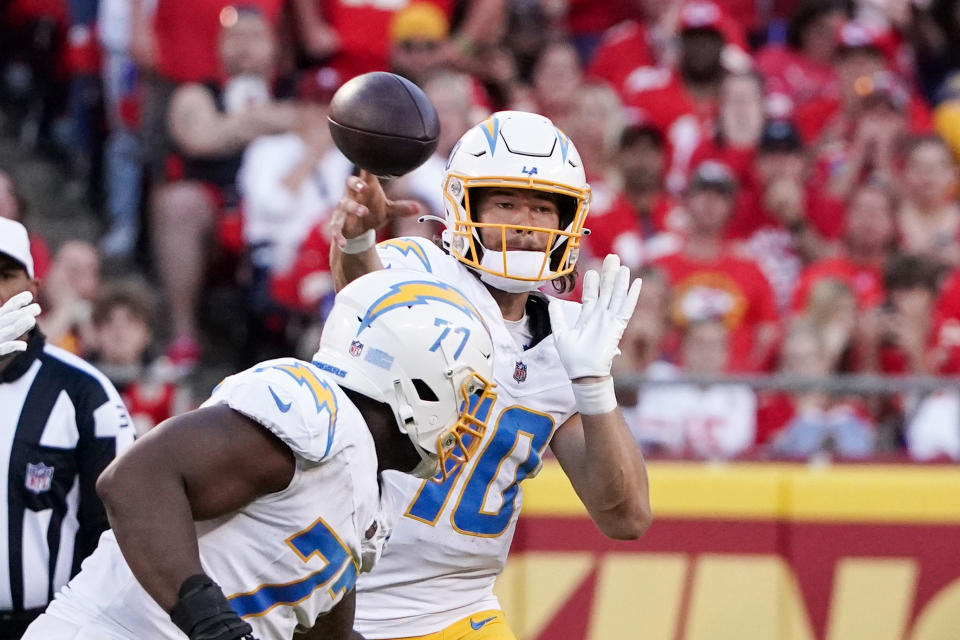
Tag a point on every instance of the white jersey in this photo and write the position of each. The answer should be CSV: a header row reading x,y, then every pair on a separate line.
x,y
286,557
450,541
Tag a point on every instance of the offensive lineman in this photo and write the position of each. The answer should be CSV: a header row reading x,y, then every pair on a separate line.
x,y
516,199
269,492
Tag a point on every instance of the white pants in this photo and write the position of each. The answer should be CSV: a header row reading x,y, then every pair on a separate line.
x,y
48,627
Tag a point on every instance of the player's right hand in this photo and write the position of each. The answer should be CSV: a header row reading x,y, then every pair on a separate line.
x,y
365,206
17,316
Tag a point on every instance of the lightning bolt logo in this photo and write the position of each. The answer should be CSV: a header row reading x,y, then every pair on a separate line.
x,y
407,247
407,294
564,144
490,128
322,393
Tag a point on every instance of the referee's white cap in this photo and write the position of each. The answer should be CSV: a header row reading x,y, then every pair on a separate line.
x,y
15,243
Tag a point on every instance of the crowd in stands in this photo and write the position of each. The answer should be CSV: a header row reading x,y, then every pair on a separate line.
x,y
784,176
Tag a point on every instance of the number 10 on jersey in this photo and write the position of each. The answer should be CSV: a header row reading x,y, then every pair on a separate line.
x,y
500,467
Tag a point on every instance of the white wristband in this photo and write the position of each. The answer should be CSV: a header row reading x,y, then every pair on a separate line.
x,y
595,398
361,243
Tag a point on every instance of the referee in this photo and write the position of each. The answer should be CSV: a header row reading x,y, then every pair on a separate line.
x,y
61,423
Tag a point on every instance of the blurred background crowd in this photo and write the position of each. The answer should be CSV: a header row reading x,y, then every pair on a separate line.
x,y
782,173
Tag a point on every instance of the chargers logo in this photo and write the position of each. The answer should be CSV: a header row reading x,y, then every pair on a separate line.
x,y
407,294
564,144
532,171
406,247
322,394
490,128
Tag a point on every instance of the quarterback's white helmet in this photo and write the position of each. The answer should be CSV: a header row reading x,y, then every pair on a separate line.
x,y
413,341
518,150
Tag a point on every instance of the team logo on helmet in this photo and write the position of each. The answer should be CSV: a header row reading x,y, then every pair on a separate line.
x,y
414,292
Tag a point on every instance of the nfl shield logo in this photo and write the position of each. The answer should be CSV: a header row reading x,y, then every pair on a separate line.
x,y
39,477
355,348
520,371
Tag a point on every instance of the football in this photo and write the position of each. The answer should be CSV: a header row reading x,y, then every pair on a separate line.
x,y
384,123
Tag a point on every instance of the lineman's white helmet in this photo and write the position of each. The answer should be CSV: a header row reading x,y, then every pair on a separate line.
x,y
413,341
515,149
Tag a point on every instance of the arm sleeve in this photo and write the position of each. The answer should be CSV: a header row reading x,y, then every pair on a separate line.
x,y
105,432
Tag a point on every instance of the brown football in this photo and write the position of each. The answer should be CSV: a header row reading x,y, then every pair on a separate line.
x,y
384,123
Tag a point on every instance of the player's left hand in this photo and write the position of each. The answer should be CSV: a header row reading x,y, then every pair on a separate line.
x,y
587,349
17,316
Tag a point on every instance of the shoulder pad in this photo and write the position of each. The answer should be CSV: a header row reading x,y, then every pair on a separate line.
x,y
290,397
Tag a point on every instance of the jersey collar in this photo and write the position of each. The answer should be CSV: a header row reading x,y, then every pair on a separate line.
x,y
21,363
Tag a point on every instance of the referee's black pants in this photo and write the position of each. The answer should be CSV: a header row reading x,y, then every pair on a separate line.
x,y
13,624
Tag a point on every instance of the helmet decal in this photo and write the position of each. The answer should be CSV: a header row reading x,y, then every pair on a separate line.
x,y
564,144
406,247
414,292
491,128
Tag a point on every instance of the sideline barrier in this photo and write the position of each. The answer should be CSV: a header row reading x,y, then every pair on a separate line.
x,y
745,551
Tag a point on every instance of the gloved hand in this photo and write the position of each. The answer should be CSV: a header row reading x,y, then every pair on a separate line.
x,y
17,316
588,348
203,613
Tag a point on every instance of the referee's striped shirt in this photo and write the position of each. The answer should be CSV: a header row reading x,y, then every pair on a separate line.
x,y
61,423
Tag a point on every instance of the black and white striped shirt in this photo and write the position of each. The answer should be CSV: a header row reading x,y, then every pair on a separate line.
x,y
61,423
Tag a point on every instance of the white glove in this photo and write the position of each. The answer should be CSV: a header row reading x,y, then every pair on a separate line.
x,y
17,316
588,348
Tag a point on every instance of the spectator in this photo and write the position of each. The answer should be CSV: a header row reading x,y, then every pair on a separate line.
x,y
354,38
947,114
831,311
67,294
929,215
175,42
450,93
869,237
864,82
415,33
211,125
714,421
66,423
775,214
641,346
123,172
557,77
13,206
905,324
739,124
810,422
683,104
710,282
122,320
634,226
290,183
802,69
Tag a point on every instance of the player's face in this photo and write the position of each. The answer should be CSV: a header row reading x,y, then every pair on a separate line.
x,y
14,279
516,207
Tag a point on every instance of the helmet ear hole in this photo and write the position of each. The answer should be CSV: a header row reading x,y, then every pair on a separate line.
x,y
424,391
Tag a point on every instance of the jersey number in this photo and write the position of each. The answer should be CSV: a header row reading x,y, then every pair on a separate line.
x,y
318,540
477,512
